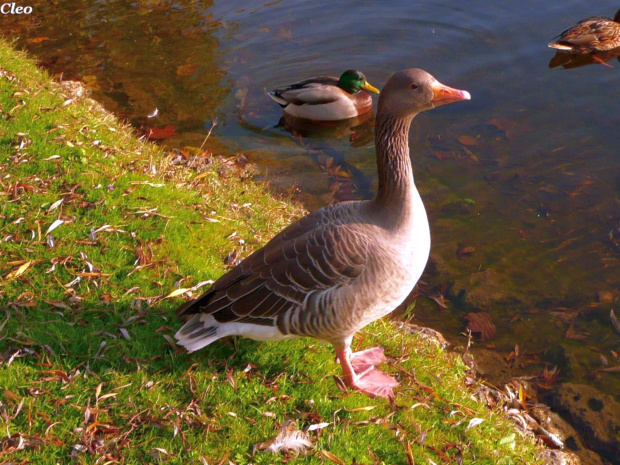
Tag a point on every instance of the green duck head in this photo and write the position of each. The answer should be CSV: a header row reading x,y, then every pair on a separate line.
x,y
352,81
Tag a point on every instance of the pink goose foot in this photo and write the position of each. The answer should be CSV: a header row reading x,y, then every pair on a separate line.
x,y
360,372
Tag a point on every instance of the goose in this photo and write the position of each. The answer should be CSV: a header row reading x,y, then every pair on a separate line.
x,y
326,98
596,34
341,267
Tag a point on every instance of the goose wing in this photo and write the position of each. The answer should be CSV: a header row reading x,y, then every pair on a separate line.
x,y
314,254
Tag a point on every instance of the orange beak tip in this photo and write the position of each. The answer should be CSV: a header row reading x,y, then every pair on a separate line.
x,y
444,94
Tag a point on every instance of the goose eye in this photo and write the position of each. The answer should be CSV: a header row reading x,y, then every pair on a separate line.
x,y
413,86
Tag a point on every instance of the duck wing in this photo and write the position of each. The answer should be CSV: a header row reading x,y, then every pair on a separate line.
x,y
314,91
594,33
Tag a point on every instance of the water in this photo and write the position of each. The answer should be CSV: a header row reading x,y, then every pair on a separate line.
x,y
525,178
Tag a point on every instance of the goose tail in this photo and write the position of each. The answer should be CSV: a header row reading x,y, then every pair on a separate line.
x,y
199,331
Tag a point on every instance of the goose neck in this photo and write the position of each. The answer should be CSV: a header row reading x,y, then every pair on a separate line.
x,y
396,186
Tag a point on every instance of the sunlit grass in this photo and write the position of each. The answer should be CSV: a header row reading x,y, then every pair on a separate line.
x,y
89,367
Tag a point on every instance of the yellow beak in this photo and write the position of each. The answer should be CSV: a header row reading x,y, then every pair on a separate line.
x,y
369,87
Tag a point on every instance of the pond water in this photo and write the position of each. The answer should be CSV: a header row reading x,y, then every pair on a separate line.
x,y
522,183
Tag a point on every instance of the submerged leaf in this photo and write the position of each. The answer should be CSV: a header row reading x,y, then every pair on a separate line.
x,y
467,140
614,321
161,133
481,323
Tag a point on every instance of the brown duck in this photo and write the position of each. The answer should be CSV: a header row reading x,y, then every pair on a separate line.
x,y
596,34
341,267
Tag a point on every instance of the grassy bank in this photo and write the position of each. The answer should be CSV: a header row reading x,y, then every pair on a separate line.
x,y
98,233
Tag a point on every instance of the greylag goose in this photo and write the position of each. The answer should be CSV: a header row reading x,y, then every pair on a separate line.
x,y
341,267
326,98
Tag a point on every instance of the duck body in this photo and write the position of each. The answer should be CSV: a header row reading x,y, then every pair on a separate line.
x,y
341,267
595,34
326,98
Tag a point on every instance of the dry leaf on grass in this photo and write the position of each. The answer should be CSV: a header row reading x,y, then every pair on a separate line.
x,y
334,458
19,271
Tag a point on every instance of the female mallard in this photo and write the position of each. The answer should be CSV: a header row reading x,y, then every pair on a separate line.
x,y
596,34
326,98
341,267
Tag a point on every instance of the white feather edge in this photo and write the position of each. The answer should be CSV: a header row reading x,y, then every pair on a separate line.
x,y
560,46
296,441
257,332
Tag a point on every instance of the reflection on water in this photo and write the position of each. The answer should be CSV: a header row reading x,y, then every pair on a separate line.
x,y
568,60
525,177
359,130
134,56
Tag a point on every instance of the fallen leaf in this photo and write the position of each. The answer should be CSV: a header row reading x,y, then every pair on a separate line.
x,y
571,333
186,70
285,33
474,422
55,205
615,369
19,271
409,452
158,453
161,133
614,321
37,40
317,426
57,304
176,292
361,409
53,226
464,251
467,140
334,458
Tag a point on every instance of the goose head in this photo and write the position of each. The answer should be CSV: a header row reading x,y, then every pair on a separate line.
x,y
412,91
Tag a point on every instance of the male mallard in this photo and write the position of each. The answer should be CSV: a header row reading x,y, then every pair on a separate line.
x,y
326,98
341,267
596,34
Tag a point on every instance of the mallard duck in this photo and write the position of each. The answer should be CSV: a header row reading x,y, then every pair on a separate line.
x,y
341,267
326,98
596,34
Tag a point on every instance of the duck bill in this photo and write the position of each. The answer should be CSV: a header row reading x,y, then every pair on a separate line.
x,y
443,94
369,87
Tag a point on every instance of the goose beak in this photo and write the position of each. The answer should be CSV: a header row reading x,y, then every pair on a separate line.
x,y
369,87
443,94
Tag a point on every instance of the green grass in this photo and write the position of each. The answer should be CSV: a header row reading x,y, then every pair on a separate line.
x,y
88,367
